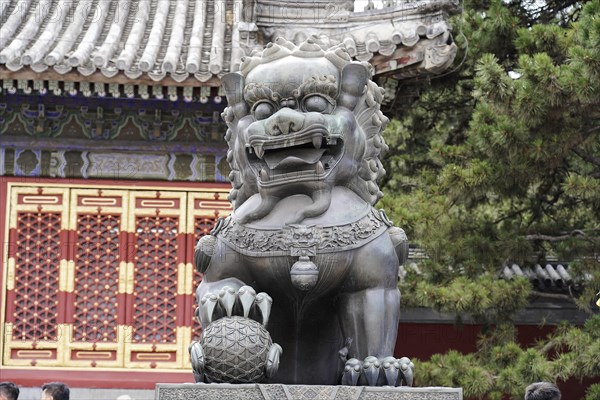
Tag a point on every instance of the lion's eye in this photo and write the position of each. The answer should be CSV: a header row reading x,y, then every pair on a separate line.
x,y
317,103
263,110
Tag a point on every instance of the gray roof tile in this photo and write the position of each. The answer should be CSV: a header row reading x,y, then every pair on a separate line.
x,y
206,38
156,37
548,277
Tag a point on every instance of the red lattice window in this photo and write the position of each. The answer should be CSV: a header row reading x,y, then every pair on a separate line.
x,y
77,297
203,226
37,264
96,278
154,318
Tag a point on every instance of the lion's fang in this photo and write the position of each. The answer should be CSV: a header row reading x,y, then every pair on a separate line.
x,y
258,149
264,175
317,142
320,168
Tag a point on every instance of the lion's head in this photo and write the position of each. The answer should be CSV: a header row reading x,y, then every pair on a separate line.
x,y
301,120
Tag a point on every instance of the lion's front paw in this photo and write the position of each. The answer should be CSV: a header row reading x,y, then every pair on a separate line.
x,y
246,355
388,371
229,302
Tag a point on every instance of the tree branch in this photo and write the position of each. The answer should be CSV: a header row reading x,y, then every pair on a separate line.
x,y
557,296
549,238
512,214
586,156
565,236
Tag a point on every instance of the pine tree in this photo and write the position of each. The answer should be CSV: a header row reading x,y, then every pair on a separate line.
x,y
499,161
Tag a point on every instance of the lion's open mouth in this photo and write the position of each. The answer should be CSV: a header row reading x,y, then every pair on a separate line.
x,y
307,155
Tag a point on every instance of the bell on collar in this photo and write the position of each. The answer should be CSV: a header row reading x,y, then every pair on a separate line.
x,y
304,274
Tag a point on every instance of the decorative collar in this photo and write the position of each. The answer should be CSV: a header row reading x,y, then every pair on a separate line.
x,y
302,240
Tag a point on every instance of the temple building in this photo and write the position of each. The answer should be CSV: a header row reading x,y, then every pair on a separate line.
x,y
112,163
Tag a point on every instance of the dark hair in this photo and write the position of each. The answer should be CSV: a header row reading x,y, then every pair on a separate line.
x,y
542,391
9,390
58,390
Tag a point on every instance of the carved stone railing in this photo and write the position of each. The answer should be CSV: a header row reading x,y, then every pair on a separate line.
x,y
301,392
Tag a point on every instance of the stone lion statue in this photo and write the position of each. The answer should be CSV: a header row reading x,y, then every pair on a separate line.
x,y
304,136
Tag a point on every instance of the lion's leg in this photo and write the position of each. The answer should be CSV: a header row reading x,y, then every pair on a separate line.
x,y
370,301
369,319
369,314
225,263
218,294
224,292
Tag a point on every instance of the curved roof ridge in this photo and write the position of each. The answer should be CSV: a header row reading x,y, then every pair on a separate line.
x,y
111,41
36,52
193,60
81,55
149,42
14,21
127,55
171,60
66,42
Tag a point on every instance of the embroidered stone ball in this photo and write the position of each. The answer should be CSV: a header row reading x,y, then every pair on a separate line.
x,y
235,350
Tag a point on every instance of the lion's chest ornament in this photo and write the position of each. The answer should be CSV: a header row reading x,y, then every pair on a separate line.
x,y
301,242
304,136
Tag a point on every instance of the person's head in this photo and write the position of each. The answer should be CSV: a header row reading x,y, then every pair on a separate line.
x,y
55,391
542,391
8,391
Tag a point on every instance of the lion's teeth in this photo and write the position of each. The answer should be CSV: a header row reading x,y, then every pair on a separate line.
x,y
332,140
317,142
258,149
320,168
264,175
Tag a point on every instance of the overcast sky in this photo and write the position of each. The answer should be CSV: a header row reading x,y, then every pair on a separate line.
x,y
359,5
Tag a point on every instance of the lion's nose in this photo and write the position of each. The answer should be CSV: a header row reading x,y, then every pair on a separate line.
x,y
283,122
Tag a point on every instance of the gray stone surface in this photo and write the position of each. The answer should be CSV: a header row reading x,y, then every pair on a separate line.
x,y
300,392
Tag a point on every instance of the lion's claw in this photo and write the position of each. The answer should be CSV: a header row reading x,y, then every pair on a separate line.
x,y
246,296
371,368
273,360
264,302
391,368
207,308
388,371
351,372
228,302
407,369
227,299
197,359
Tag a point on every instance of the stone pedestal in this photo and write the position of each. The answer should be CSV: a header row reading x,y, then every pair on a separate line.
x,y
225,391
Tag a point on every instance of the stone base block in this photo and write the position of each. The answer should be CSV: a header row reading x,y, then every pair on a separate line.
x,y
226,391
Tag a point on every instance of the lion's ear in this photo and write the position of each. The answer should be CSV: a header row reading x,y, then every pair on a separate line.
x,y
234,90
354,80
